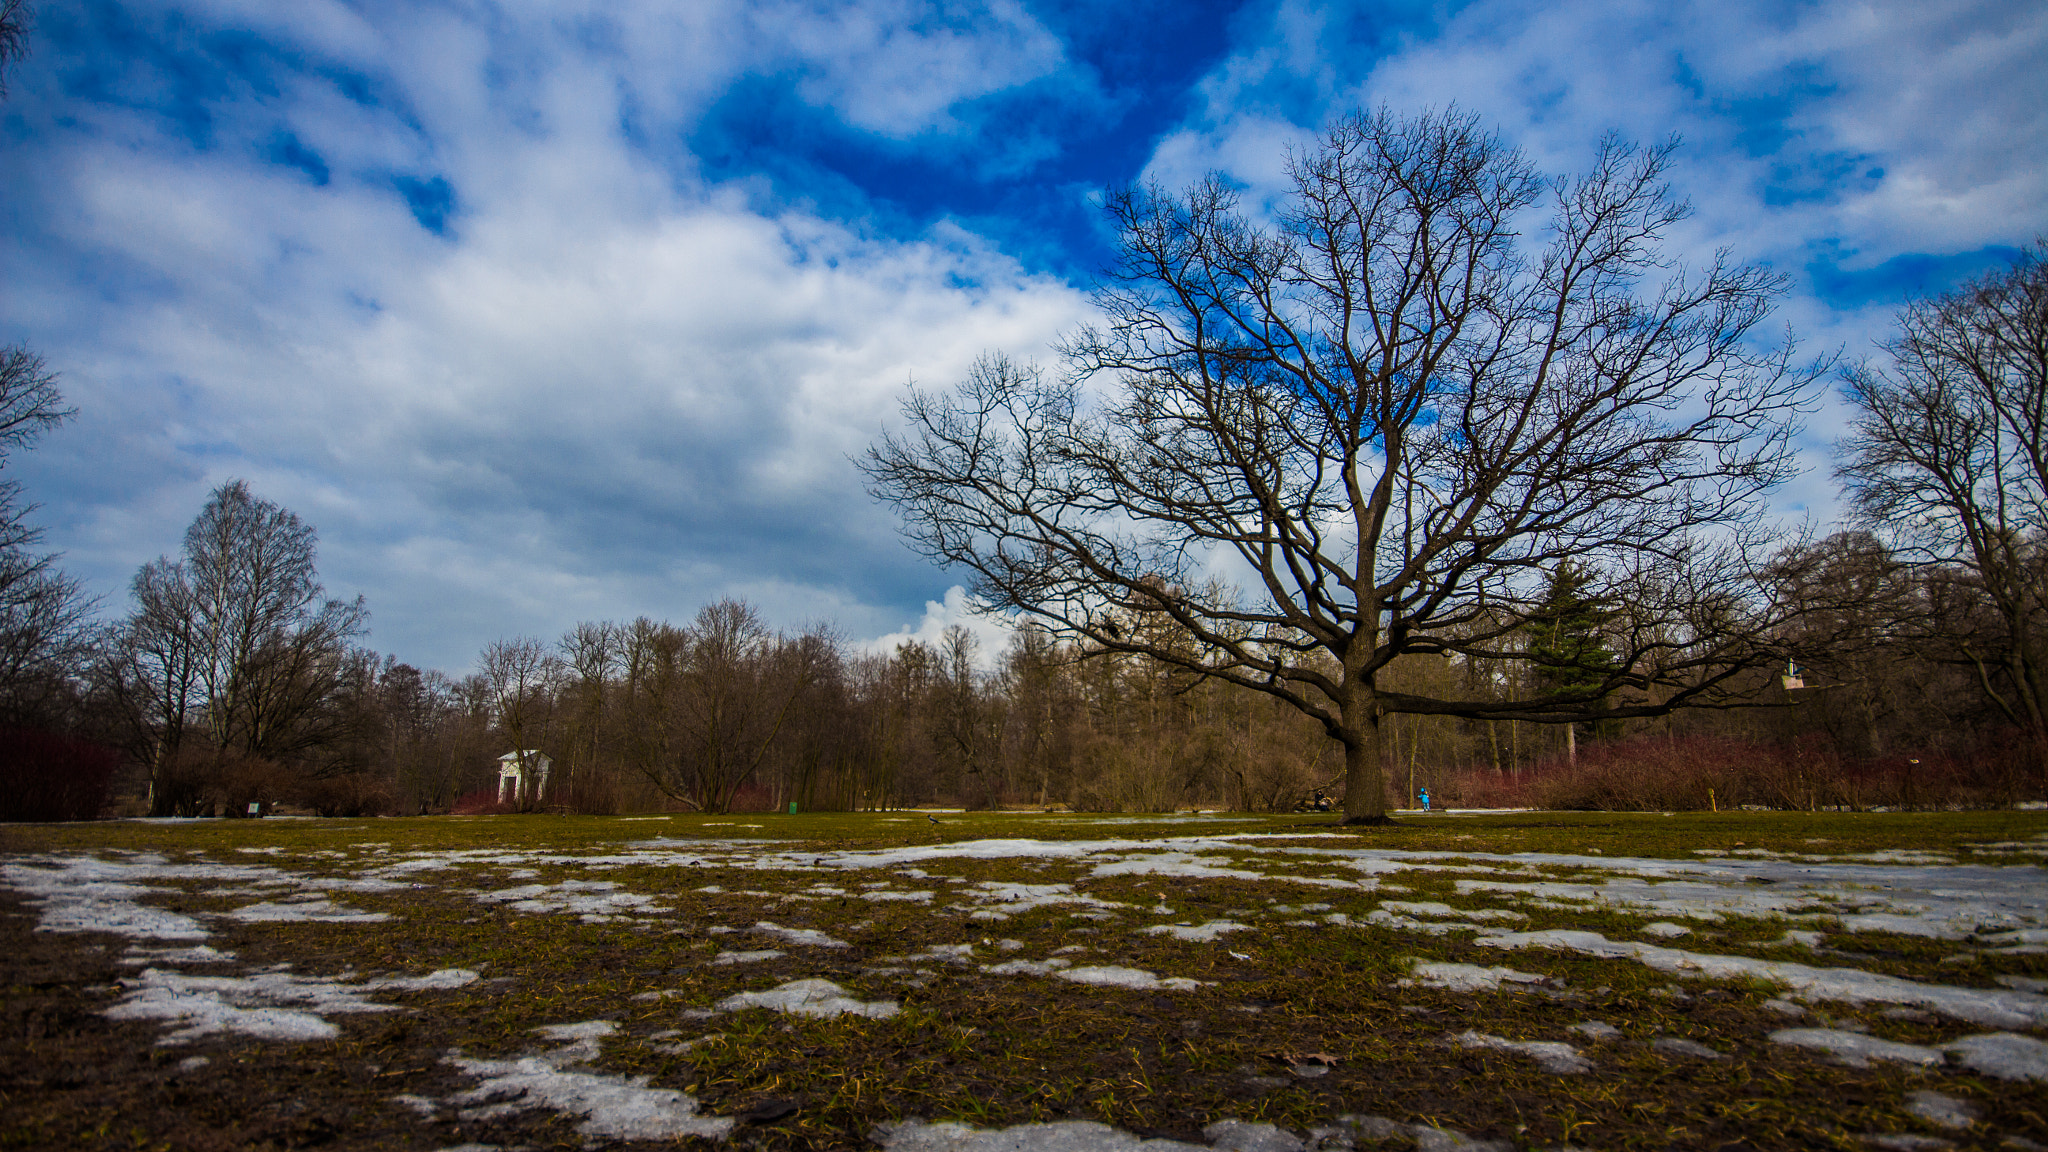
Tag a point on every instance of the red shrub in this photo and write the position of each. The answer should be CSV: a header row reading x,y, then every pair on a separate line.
x,y
44,776
482,802
1698,772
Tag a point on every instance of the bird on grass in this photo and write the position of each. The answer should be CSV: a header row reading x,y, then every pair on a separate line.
x,y
933,819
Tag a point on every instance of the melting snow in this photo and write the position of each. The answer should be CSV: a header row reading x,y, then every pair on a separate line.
x,y
594,900
2006,1055
1945,1111
1856,1049
197,954
1435,908
1107,974
1016,898
612,1107
1171,864
1467,977
1554,1056
1849,985
809,998
1138,978
1680,1046
1205,932
83,894
317,910
804,936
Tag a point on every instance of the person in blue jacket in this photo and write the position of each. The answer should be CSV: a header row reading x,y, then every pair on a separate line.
x,y
1424,793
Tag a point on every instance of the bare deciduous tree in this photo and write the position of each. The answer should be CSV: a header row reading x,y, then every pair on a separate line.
x,y
14,23
236,638
1948,462
1385,417
43,612
721,691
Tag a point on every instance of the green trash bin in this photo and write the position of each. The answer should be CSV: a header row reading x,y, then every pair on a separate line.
x,y
792,807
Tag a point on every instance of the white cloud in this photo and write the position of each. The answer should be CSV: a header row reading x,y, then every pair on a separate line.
x,y
609,389
991,633
900,67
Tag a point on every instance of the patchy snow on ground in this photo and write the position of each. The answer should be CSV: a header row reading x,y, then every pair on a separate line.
x,y
1554,1056
2005,1055
1942,1111
2001,1009
305,910
1170,864
1680,1046
611,1107
1119,977
1857,1049
806,937
1000,900
1466,977
140,957
265,1005
86,894
594,900
1434,908
1201,932
810,998
1982,907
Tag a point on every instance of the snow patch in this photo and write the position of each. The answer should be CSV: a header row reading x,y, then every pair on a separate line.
x,y
595,901
612,1107
1856,1049
809,998
1204,932
1552,1055
1010,899
1172,864
806,937
267,1005
1445,911
2008,1009
435,981
1117,977
318,910
137,957
2005,1055
1466,977
1937,1109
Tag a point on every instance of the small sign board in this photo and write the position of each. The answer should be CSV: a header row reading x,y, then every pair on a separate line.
x,y
255,807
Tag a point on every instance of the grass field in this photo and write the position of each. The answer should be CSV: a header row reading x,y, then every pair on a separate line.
x,y
1522,980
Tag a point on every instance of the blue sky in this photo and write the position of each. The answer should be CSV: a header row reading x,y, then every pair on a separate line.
x,y
576,309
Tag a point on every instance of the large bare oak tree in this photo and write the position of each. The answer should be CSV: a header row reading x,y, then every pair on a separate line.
x,y
1385,416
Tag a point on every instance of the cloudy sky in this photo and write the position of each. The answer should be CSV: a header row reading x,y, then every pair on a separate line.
x,y
568,310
